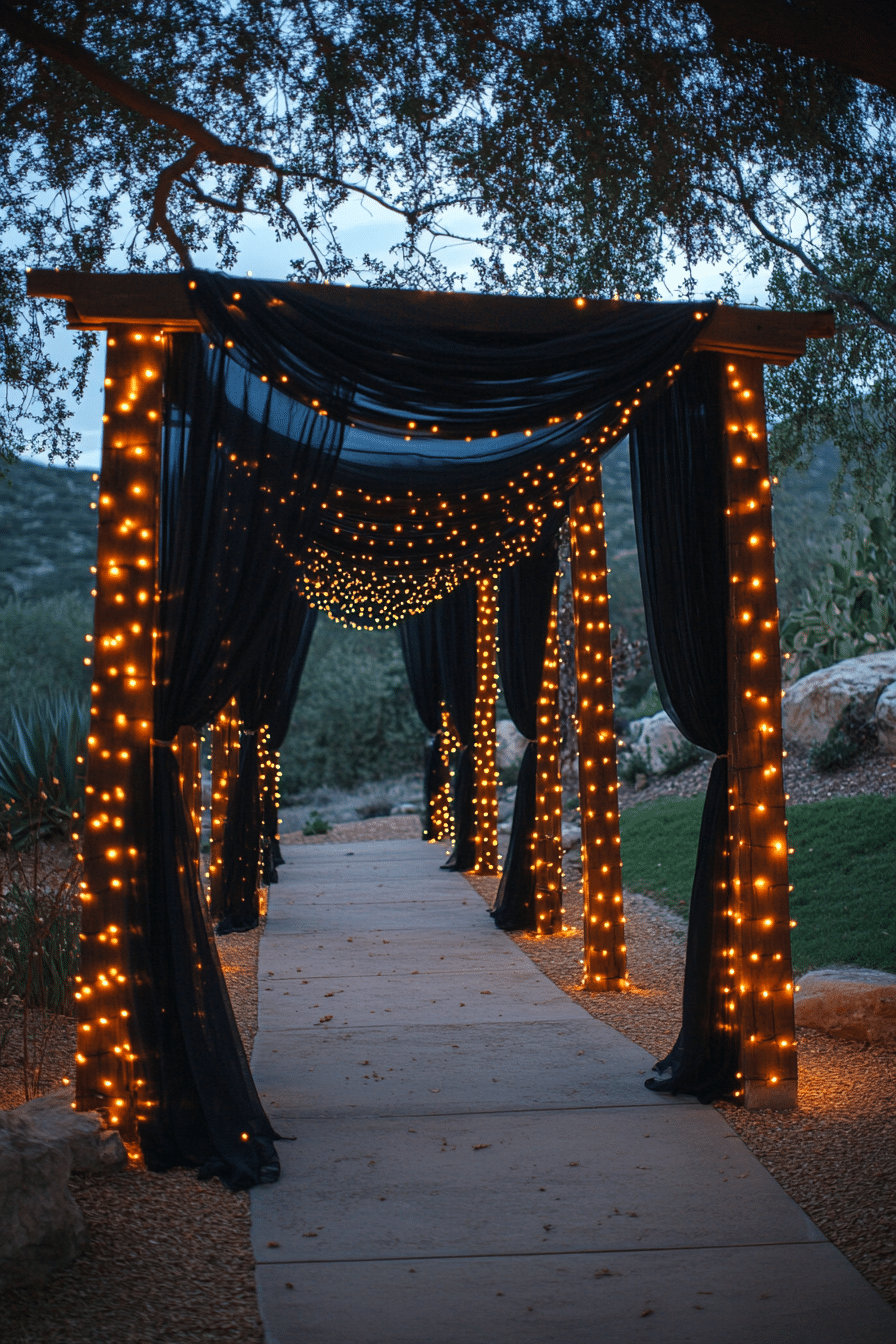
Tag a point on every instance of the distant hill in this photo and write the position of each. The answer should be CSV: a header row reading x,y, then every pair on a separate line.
x,y
47,531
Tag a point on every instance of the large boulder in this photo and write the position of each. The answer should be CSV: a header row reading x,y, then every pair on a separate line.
x,y
885,719
849,1003
813,704
41,1227
657,741
511,745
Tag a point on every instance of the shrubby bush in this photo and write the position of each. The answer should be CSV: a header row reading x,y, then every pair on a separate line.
x,y
42,649
355,719
850,608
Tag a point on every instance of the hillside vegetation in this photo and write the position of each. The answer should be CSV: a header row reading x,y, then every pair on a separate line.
x,y
354,720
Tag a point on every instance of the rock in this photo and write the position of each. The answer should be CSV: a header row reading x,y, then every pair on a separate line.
x,y
41,1227
92,1148
571,834
511,745
813,704
885,720
404,810
657,741
848,1003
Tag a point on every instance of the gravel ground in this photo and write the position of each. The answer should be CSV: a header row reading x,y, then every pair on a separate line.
x,y
836,1153
170,1259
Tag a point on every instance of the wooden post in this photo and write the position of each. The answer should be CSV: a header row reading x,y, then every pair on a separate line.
x,y
485,727
604,950
111,1075
225,768
442,809
758,835
548,839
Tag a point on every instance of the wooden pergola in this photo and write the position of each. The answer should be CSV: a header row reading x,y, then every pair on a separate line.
x,y
137,312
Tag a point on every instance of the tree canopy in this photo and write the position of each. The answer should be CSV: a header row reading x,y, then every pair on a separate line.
x,y
583,144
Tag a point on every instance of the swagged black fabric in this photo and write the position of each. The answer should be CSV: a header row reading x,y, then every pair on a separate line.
x,y
409,390
524,612
420,649
679,503
272,685
456,622
232,449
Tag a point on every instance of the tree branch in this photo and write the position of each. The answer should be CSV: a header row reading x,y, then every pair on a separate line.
x,y
79,59
829,286
159,217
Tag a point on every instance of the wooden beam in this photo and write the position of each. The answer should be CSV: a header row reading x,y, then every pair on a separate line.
x,y
604,919
95,301
763,981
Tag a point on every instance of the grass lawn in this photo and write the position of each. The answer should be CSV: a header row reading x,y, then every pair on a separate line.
x,y
843,872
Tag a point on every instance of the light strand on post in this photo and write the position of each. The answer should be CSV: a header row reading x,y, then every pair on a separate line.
x,y
116,832
604,951
759,974
547,840
225,769
485,727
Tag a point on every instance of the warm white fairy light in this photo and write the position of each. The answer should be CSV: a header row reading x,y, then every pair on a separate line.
x,y
604,951
761,988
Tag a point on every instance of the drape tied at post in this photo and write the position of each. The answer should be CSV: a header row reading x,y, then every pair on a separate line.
x,y
679,502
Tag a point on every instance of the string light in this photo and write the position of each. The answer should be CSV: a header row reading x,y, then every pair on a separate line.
x,y
759,899
116,815
225,769
604,951
485,727
547,840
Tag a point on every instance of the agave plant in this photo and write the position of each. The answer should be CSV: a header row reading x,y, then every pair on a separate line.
x,y
41,767
850,609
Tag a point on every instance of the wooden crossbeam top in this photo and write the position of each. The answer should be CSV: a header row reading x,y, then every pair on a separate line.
x,y
95,302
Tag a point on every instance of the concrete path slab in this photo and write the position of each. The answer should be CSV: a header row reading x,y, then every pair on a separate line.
x,y
425,1070
741,1295
477,1159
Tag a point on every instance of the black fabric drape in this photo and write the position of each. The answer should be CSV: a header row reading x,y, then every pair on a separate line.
x,y
524,613
272,685
279,719
242,468
460,437
420,648
456,619
679,502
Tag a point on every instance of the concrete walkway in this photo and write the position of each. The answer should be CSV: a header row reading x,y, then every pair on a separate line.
x,y
477,1159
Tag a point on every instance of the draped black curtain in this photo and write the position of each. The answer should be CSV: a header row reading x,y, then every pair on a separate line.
x,y
243,466
272,685
279,719
524,613
456,621
420,648
679,502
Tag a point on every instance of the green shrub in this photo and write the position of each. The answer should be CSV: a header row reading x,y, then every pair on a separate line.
x,y
354,720
41,776
42,649
848,610
316,825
